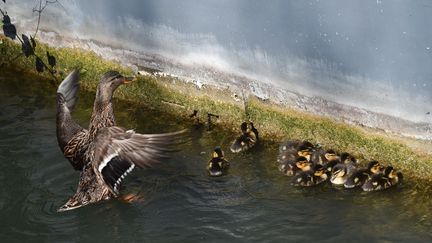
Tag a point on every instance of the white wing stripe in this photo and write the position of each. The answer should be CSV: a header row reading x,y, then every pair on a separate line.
x,y
106,160
119,180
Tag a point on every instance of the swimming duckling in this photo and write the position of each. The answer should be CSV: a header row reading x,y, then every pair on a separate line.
x,y
394,177
350,162
312,177
247,140
339,174
388,178
320,174
291,149
217,165
296,166
360,176
323,157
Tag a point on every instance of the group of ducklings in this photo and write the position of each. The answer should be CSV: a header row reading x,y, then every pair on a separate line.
x,y
218,165
312,166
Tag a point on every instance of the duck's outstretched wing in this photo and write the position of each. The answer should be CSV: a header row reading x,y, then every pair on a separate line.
x,y
70,135
68,89
118,152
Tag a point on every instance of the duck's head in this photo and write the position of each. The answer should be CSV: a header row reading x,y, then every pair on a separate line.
x,y
331,155
375,167
319,170
73,203
218,153
339,172
347,158
244,127
303,164
391,173
305,150
109,82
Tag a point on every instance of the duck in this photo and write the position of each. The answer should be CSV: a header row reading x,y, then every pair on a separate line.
x,y
339,174
329,159
247,139
217,165
104,153
313,177
298,165
290,150
394,177
360,176
381,181
343,167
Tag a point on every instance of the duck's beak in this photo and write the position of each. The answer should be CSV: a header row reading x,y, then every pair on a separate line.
x,y
128,80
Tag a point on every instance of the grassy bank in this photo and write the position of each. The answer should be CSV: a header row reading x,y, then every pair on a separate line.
x,y
275,123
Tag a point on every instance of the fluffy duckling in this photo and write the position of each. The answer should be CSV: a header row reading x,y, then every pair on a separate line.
x,y
360,176
247,139
296,166
339,174
217,165
381,181
312,177
350,162
394,177
322,157
290,150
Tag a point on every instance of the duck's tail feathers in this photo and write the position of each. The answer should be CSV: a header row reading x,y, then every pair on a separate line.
x,y
68,89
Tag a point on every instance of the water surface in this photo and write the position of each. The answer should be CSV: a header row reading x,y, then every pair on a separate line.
x,y
181,203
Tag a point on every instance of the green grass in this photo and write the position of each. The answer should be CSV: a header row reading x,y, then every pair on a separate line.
x,y
274,123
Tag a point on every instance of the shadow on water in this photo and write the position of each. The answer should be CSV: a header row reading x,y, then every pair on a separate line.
x,y
181,203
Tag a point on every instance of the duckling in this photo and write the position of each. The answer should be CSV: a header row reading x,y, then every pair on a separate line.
x,y
360,176
292,149
296,166
247,140
381,181
322,157
320,174
312,177
304,179
339,174
394,177
217,165
350,162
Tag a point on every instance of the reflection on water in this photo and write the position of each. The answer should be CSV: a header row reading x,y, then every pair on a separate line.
x,y
254,202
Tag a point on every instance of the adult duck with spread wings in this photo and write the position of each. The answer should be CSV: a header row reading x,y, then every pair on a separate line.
x,y
104,153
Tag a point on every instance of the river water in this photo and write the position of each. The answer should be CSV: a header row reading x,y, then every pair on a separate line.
x,y
181,203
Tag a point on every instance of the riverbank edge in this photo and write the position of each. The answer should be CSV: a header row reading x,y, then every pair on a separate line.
x,y
179,98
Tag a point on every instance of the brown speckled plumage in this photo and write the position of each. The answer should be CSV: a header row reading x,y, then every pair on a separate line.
x,y
104,153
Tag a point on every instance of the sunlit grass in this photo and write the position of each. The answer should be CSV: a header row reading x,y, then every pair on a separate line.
x,y
274,122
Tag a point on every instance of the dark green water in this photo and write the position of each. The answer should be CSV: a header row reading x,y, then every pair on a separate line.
x,y
253,203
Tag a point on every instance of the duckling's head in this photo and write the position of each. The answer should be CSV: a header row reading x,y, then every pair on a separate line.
x,y
218,153
305,150
108,83
319,170
339,174
391,173
303,164
347,158
375,167
330,155
244,127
